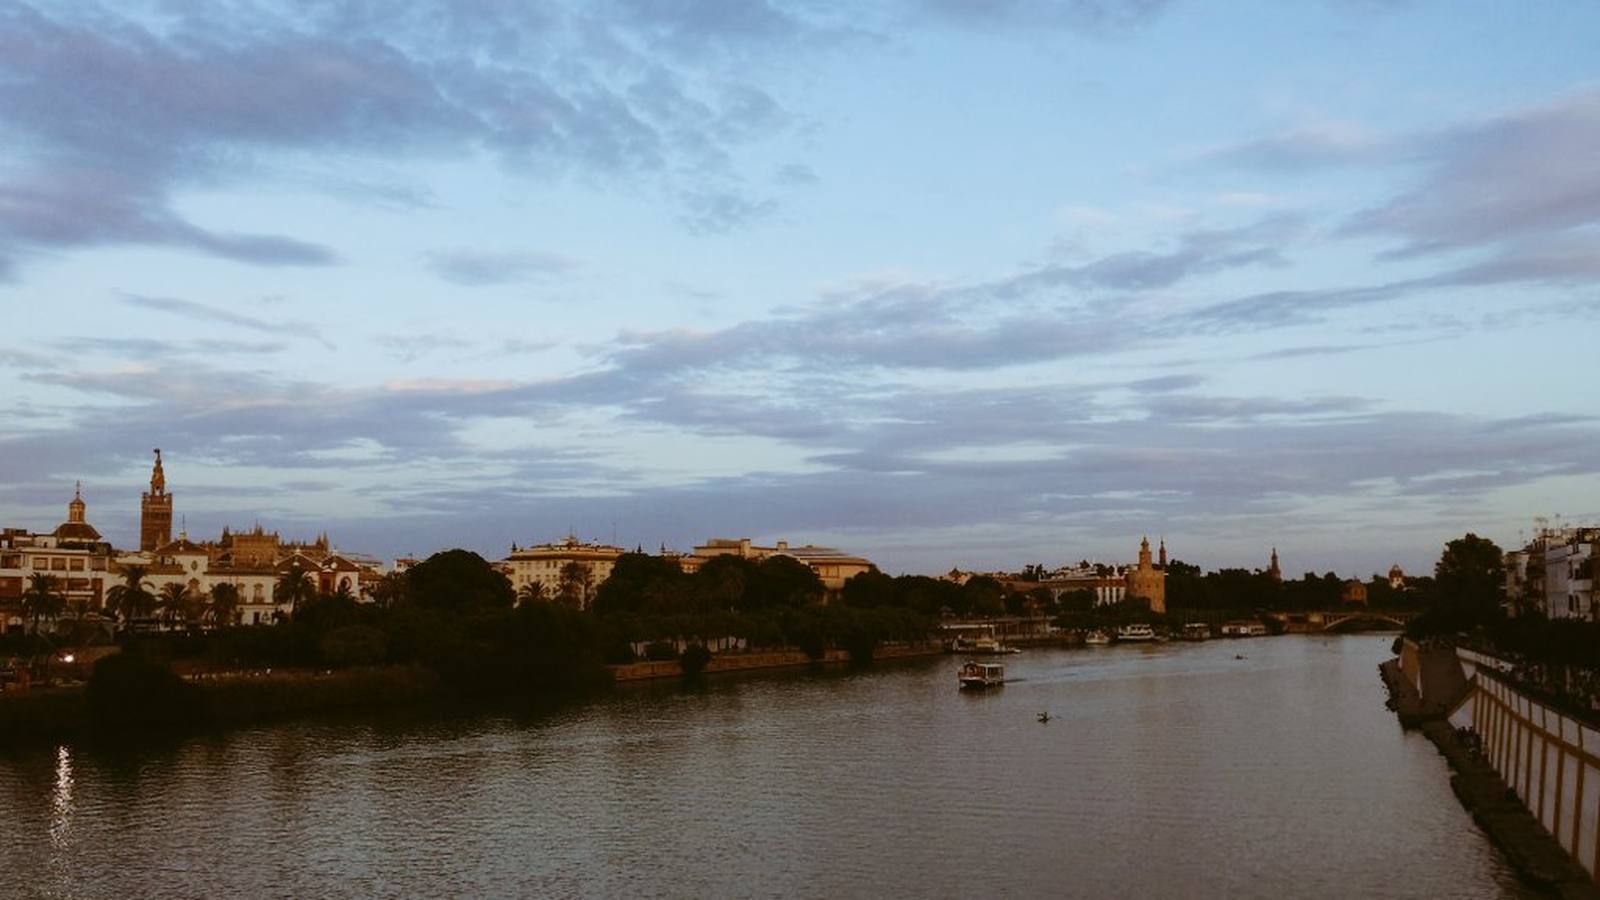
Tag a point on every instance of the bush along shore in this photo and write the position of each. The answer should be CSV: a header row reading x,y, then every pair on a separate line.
x,y
452,628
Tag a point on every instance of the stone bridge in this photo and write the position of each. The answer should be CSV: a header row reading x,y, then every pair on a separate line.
x,y
1335,620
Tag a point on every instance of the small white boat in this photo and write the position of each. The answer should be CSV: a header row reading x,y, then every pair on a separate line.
x,y
1140,632
1097,638
980,675
1196,631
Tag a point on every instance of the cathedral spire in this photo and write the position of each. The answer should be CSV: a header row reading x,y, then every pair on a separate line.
x,y
155,511
158,478
1162,558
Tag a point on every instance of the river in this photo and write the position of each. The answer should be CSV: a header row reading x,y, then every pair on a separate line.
x,y
1172,770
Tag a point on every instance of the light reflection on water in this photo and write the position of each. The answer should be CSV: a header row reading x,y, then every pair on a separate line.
x,y
1172,770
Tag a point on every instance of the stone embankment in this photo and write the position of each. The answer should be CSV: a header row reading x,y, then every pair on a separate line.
x,y
1494,806
778,659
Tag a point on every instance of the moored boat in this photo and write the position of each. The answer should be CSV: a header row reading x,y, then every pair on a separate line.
x,y
1097,638
976,675
1195,631
1137,632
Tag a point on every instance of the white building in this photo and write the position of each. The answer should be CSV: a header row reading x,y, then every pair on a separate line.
x,y
1569,578
73,554
542,564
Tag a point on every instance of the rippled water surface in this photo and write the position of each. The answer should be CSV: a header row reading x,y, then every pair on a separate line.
x,y
1168,771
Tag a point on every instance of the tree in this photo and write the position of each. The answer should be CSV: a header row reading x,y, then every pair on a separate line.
x,y
173,602
42,599
387,590
224,606
869,590
984,596
292,587
1470,579
574,585
132,598
458,581
532,592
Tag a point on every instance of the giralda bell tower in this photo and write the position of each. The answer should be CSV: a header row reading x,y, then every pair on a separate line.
x,y
155,511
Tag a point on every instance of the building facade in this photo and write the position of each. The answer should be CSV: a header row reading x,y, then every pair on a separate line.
x,y
1569,578
74,554
542,565
1554,574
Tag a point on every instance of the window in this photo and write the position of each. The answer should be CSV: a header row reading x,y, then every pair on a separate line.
x,y
77,565
58,564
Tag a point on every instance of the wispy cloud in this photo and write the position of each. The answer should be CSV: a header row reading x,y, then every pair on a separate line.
x,y
475,268
201,312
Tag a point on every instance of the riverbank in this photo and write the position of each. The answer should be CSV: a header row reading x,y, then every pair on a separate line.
x,y
775,659
65,713
243,698
1494,806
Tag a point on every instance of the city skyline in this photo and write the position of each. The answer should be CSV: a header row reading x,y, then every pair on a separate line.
x,y
944,284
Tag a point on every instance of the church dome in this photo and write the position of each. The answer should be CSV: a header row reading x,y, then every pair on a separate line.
x,y
76,527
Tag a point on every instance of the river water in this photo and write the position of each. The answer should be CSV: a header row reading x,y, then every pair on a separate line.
x,y
1172,770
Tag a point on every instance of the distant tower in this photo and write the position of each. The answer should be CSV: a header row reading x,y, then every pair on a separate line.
x,y
77,508
155,511
1145,580
1161,560
1273,572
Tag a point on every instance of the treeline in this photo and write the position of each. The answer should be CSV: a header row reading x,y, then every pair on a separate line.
x,y
453,614
1250,589
458,618
650,604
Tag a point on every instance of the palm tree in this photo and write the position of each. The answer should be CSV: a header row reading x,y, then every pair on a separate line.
x,y
174,601
224,606
132,598
42,599
576,580
531,592
292,587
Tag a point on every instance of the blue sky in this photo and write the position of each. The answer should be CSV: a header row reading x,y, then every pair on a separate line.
x,y
945,283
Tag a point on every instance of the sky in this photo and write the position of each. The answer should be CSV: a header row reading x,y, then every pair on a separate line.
x,y
975,283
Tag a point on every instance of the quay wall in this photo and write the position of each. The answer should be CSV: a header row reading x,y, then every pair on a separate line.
x,y
1551,760
777,659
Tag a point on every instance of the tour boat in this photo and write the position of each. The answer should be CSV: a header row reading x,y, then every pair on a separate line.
x,y
986,645
1140,632
1097,637
982,675
1196,631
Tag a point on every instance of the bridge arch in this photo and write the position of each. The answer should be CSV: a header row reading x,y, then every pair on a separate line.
x,y
1340,621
